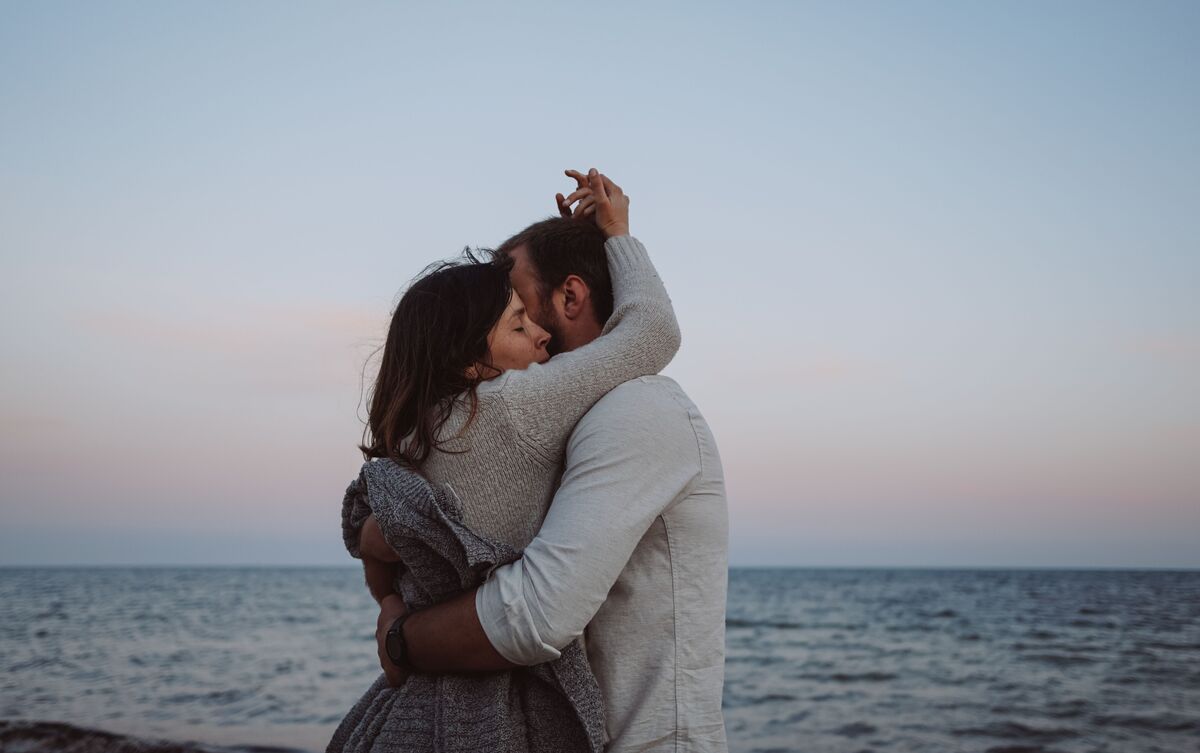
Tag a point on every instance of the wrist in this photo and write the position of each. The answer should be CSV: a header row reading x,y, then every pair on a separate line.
x,y
396,644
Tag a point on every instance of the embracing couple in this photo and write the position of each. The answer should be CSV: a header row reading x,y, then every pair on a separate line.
x,y
541,518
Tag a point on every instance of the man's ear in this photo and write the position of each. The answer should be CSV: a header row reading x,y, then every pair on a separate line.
x,y
577,297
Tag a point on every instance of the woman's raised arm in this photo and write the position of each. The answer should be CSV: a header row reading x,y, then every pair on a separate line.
x,y
640,338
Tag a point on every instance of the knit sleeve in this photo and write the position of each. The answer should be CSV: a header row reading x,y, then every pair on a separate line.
x,y
641,337
354,514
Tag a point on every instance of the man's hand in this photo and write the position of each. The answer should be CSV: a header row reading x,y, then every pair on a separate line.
x,y
599,196
380,577
378,558
391,608
371,542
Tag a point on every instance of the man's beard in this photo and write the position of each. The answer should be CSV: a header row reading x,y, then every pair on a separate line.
x,y
553,325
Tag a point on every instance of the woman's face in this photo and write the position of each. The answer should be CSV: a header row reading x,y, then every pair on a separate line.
x,y
516,341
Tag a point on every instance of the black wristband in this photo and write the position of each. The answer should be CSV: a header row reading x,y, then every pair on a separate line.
x,y
396,645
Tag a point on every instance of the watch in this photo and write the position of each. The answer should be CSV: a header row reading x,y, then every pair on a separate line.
x,y
396,646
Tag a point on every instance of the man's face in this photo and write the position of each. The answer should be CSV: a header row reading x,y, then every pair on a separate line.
x,y
525,281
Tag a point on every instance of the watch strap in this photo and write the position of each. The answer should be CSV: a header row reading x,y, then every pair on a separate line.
x,y
397,645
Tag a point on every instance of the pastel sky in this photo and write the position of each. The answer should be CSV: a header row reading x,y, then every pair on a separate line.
x,y
937,264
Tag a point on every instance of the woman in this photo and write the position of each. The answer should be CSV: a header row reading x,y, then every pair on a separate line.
x,y
467,396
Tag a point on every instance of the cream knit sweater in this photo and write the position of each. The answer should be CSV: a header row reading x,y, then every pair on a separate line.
x,y
514,446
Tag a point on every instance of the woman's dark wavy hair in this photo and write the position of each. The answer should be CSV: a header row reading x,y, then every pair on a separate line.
x,y
439,330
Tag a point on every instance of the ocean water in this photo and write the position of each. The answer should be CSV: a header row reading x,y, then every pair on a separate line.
x,y
818,660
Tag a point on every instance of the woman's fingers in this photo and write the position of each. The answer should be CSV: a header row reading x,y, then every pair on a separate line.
x,y
597,197
586,207
577,195
586,202
610,187
612,205
581,180
596,182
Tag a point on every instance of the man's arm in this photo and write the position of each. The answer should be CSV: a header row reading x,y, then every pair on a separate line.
x,y
453,640
625,465
447,637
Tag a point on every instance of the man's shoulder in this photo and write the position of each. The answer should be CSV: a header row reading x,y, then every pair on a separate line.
x,y
649,414
648,422
649,396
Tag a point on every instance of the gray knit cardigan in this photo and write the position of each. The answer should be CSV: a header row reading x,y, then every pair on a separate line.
x,y
552,707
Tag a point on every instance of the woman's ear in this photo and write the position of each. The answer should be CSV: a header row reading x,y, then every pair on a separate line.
x,y
481,372
576,297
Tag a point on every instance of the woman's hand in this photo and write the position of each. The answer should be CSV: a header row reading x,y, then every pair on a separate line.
x,y
599,199
564,206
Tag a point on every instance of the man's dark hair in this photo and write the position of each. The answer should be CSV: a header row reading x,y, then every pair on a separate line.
x,y
560,247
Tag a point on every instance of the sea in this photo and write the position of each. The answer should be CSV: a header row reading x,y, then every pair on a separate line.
x,y
817,660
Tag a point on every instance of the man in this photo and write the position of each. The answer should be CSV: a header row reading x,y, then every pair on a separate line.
x,y
633,549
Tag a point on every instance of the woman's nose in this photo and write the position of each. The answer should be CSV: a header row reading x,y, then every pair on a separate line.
x,y
543,339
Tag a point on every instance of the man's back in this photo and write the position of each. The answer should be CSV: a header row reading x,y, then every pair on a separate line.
x,y
657,645
635,548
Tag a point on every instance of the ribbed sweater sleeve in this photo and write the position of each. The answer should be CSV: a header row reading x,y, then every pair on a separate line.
x,y
641,337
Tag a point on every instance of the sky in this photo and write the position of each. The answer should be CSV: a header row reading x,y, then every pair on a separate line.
x,y
936,264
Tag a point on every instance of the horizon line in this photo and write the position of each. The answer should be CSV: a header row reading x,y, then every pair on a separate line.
x,y
354,566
